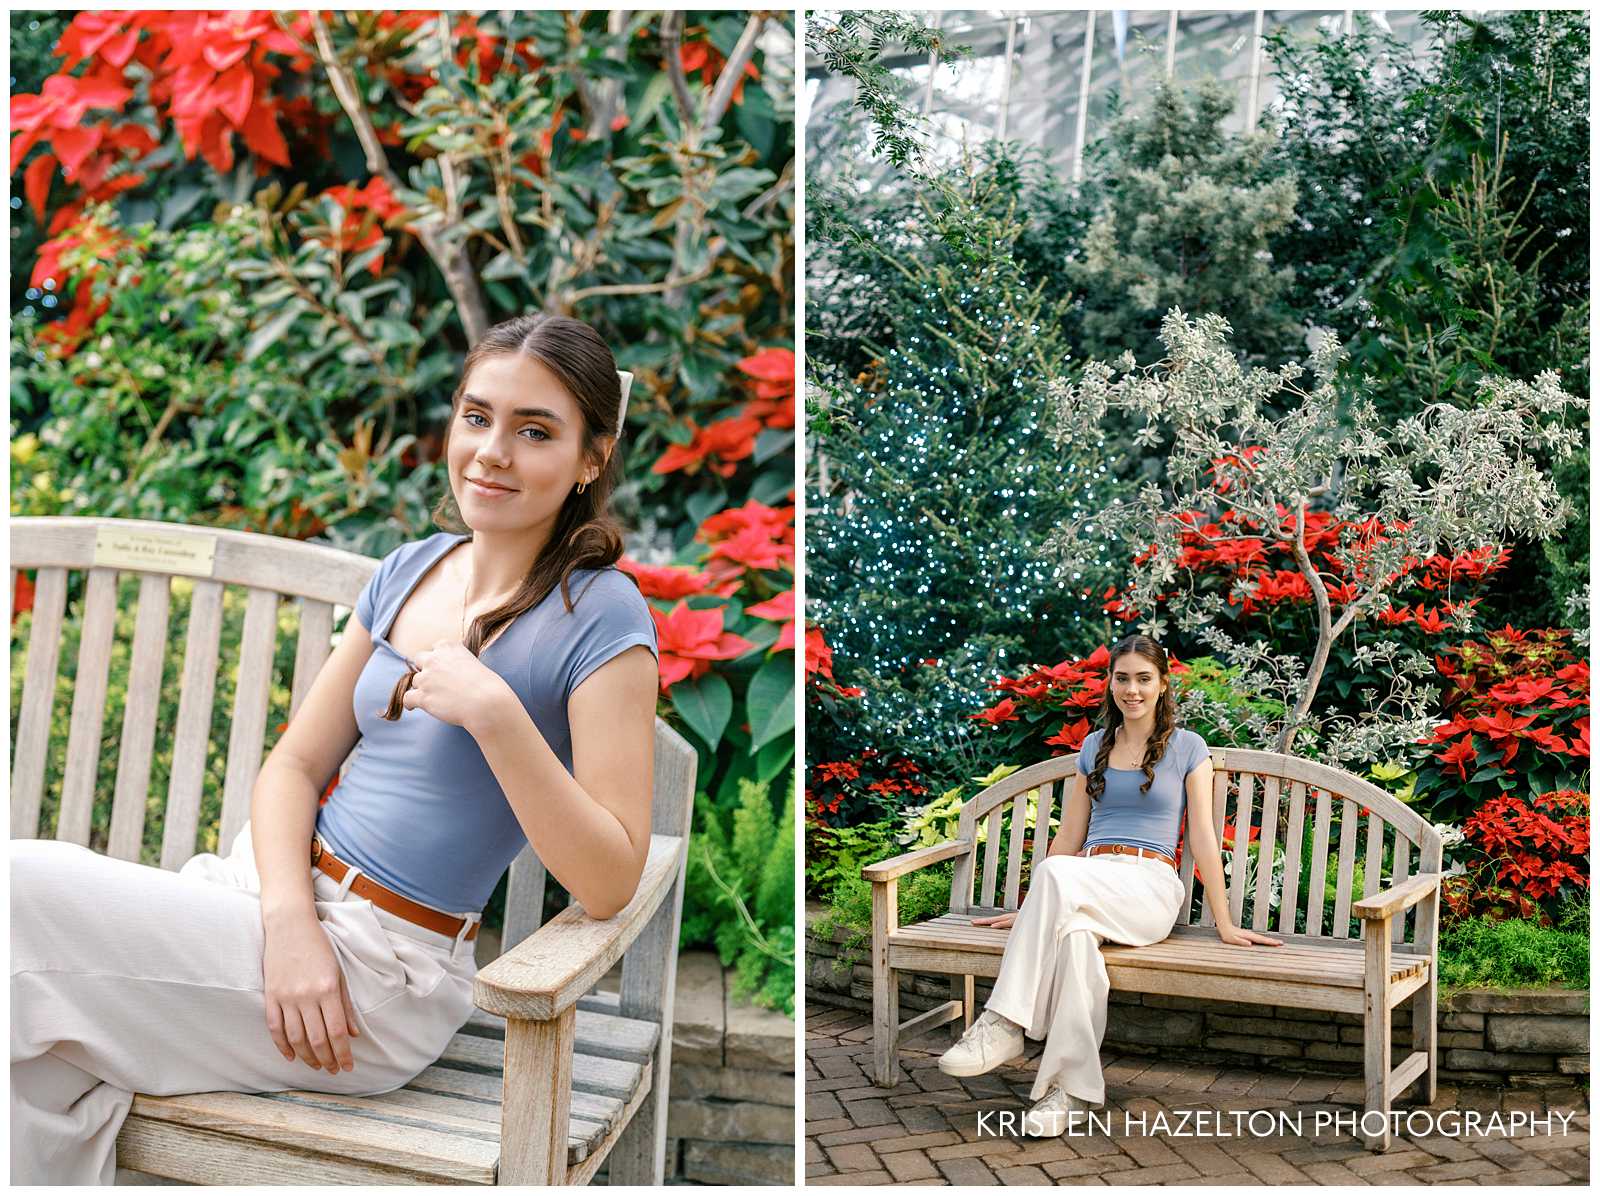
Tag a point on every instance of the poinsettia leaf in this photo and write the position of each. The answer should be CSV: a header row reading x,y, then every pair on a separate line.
x,y
705,705
770,700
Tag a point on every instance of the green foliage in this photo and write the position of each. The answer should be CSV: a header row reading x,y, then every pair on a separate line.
x,y
184,410
920,895
1513,953
739,895
1444,202
836,852
1183,215
853,44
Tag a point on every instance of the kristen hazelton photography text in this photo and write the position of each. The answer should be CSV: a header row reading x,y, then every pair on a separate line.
x,y
1197,558
1272,1123
404,640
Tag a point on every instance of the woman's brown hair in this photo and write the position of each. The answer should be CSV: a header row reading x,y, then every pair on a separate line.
x,y
586,536
1111,715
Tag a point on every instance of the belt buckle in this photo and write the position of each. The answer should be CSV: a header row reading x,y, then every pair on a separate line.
x,y
316,849
1118,849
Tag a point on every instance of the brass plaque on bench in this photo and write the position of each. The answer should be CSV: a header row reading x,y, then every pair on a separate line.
x,y
154,552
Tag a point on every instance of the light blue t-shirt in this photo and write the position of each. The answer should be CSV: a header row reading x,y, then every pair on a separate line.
x,y
1123,814
419,809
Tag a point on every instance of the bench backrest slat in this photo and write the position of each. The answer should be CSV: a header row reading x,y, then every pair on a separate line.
x,y
1041,826
1317,885
1402,870
201,649
1347,861
1016,846
1258,793
1261,907
313,646
252,694
137,749
991,855
1294,836
88,708
38,699
1244,808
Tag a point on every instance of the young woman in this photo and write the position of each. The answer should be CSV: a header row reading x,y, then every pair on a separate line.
x,y
1111,873
501,681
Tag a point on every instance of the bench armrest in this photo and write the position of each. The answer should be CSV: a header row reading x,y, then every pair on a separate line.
x,y
899,865
1383,905
549,970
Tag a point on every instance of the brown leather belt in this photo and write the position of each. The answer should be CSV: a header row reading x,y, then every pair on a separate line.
x,y
386,898
1129,849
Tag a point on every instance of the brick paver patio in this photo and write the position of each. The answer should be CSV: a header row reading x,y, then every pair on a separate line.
x,y
926,1128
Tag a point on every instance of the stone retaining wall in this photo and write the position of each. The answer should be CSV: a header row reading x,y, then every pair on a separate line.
x,y
731,1116
1520,1038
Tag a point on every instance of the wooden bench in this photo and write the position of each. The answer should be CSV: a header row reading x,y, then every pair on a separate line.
x,y
546,1082
1370,971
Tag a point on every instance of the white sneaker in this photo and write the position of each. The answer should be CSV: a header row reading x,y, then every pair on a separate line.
x,y
1054,1114
989,1043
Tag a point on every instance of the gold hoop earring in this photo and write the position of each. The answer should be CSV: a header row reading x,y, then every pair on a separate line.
x,y
582,486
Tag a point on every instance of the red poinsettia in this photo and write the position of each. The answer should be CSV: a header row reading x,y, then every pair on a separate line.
x,y
1003,711
773,371
754,536
689,640
819,657
668,582
780,609
366,209
715,447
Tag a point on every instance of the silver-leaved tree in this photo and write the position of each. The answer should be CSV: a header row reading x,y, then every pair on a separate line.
x,y
1251,453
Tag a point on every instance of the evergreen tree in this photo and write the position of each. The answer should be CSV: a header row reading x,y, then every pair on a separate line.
x,y
1183,215
934,488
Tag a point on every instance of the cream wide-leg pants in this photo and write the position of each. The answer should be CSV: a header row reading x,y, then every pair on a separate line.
x,y
1053,981
127,978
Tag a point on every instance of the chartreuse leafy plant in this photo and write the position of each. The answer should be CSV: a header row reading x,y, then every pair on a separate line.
x,y
1450,478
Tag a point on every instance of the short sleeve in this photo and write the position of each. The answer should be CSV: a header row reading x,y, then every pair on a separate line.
x,y
1198,752
610,616
367,602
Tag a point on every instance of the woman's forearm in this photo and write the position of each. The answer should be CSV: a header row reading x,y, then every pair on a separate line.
x,y
583,844
283,811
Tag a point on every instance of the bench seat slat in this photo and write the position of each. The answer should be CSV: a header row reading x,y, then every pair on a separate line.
x,y
606,1036
607,1077
1301,962
446,1153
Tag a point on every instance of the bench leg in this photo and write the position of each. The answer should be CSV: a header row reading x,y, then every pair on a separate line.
x,y
1376,1033
1425,1033
963,989
534,1111
885,989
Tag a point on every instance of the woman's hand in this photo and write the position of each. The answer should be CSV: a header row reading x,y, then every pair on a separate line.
x,y
1245,938
309,1014
998,921
453,685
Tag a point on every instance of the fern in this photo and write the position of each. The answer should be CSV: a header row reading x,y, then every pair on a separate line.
x,y
740,893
